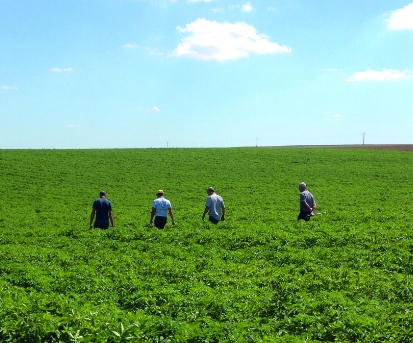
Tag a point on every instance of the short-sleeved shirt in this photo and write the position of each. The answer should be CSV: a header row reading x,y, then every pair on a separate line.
x,y
162,206
215,204
102,207
308,198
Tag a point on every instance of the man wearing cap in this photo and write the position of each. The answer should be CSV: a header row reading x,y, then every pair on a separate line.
x,y
160,209
307,203
213,206
102,207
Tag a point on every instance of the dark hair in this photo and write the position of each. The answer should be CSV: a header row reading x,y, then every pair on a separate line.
x,y
102,193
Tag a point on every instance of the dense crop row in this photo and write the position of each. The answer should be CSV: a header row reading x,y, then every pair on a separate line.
x,y
260,276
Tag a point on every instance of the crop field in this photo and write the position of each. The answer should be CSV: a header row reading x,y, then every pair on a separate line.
x,y
259,276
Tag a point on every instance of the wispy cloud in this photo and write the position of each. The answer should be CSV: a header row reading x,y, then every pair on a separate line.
x,y
130,45
155,109
334,115
61,70
74,126
374,75
247,7
210,40
401,19
199,0
7,88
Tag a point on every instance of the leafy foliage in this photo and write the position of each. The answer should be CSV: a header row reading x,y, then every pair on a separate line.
x,y
260,276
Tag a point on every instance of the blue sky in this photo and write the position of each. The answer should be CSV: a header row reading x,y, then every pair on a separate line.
x,y
217,73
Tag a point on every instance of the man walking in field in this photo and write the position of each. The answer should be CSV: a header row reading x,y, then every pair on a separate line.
x,y
307,203
213,206
102,208
160,209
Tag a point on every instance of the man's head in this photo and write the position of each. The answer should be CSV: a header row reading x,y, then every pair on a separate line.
x,y
302,186
102,194
210,190
159,193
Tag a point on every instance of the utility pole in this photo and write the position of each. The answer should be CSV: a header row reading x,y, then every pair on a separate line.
x,y
167,144
256,142
363,137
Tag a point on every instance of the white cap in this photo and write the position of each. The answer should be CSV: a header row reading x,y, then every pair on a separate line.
x,y
302,184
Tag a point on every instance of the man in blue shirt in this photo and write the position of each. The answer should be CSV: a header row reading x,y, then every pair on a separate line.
x,y
307,203
214,206
102,208
160,209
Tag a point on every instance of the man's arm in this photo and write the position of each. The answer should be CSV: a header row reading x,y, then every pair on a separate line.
x,y
308,207
205,212
152,214
111,218
92,216
171,213
223,213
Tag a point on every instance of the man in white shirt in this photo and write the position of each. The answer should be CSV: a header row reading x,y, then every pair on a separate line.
x,y
214,206
160,209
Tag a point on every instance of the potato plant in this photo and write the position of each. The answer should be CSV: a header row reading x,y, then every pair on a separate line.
x,y
259,276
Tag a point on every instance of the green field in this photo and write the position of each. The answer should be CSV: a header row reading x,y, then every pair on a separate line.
x,y
260,276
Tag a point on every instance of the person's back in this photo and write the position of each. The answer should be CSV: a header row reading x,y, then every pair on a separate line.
x,y
307,203
160,209
215,204
306,197
102,207
161,205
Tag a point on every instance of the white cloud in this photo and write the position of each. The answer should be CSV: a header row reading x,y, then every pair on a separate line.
x,y
337,115
374,75
199,0
74,126
247,7
401,19
155,109
210,40
6,88
61,70
130,45
217,10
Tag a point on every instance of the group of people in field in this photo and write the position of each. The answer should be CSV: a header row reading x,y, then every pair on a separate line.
x,y
102,212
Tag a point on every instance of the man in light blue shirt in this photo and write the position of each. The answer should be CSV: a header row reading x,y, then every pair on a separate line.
x,y
214,206
160,209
